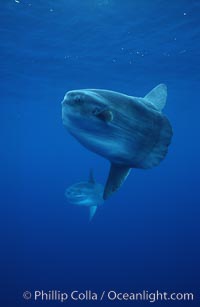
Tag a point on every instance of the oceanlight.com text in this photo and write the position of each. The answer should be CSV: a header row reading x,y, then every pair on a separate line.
x,y
111,295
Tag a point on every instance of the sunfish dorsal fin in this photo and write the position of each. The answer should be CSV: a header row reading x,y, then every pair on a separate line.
x,y
92,211
117,176
91,176
157,96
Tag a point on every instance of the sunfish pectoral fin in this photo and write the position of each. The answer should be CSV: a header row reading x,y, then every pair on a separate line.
x,y
117,176
92,211
157,96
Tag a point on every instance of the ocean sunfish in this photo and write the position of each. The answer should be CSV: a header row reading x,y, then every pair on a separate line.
x,y
130,132
86,193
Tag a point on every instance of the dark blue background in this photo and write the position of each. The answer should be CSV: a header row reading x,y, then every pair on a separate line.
x,y
147,235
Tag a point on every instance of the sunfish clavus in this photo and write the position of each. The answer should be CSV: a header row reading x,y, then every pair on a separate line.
x,y
130,132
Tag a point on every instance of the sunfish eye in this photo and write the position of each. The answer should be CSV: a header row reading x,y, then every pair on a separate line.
x,y
96,111
77,99
104,114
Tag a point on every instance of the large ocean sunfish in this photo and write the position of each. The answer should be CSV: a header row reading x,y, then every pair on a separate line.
x,y
130,132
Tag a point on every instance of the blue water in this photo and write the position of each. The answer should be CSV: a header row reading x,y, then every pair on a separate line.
x,y
147,235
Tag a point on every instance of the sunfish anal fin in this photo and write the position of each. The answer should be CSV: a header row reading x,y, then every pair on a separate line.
x,y
92,211
117,176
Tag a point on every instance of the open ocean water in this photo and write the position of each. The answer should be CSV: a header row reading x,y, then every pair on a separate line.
x,y
147,235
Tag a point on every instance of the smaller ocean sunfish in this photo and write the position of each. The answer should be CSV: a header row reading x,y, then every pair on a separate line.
x,y
86,193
